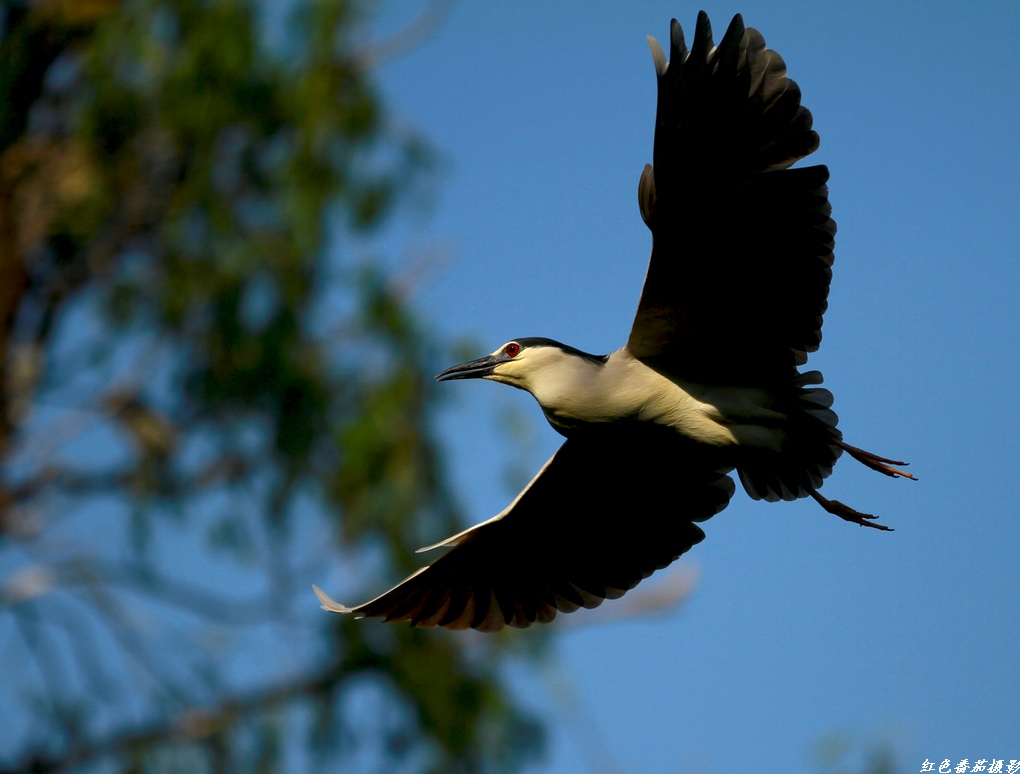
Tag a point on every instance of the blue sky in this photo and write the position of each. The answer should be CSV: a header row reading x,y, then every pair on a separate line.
x,y
801,624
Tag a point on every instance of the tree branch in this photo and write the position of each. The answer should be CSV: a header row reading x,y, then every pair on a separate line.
x,y
408,38
192,725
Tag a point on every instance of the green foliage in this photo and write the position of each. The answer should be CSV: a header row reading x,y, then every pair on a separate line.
x,y
176,205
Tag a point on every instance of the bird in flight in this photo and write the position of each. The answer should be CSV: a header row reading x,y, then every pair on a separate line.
x,y
707,382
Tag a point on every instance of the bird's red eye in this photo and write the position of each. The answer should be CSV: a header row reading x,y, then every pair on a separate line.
x,y
512,349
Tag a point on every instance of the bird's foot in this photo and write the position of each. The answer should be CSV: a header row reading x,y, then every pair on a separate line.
x,y
847,513
873,461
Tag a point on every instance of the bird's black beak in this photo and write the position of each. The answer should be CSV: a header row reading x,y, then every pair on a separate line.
x,y
473,369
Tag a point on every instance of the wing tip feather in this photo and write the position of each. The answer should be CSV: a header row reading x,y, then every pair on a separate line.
x,y
329,604
658,56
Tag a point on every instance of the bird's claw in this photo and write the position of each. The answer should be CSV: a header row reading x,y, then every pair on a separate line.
x,y
847,513
873,461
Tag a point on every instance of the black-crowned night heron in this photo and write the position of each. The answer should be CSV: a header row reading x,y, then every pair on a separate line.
x,y
708,380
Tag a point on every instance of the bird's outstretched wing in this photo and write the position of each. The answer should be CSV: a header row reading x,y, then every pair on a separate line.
x,y
742,245
600,516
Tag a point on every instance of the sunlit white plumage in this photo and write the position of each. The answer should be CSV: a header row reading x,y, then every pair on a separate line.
x,y
707,382
574,391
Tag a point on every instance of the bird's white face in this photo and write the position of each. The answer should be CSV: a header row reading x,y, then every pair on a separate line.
x,y
526,366
566,384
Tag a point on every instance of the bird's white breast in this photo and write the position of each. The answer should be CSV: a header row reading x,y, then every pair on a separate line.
x,y
580,391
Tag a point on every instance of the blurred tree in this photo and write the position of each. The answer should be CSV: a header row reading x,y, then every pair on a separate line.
x,y
844,752
207,401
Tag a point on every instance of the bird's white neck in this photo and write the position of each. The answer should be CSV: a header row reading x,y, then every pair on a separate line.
x,y
575,391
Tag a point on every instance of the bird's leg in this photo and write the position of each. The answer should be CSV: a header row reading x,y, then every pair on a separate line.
x,y
873,461
847,513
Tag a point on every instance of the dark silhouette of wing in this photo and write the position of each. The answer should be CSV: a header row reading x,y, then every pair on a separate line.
x,y
601,515
742,245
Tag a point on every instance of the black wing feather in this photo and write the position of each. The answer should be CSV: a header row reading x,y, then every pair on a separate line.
x,y
602,515
741,264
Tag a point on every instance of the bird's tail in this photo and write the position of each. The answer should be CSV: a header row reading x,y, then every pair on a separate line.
x,y
811,445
